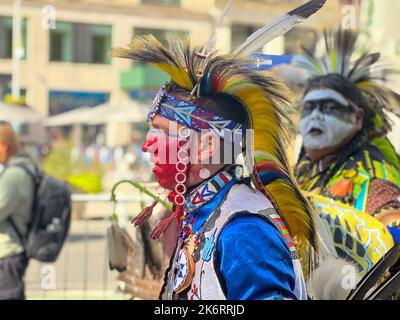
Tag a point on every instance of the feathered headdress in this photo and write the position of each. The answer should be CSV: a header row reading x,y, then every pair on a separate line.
x,y
202,72
365,70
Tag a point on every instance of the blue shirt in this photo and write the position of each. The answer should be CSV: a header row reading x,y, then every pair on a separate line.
x,y
252,257
254,261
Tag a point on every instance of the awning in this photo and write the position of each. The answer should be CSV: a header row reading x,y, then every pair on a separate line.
x,y
18,114
129,114
77,116
102,114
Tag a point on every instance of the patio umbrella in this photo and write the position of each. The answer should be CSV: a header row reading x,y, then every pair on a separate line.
x,y
18,114
101,114
80,115
133,113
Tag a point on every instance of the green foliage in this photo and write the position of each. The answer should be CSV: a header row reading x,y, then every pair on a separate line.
x,y
87,182
82,177
386,147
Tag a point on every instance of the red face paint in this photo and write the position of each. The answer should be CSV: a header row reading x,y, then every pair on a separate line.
x,y
164,155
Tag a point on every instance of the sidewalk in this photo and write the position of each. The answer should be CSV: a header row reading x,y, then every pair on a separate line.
x,y
81,270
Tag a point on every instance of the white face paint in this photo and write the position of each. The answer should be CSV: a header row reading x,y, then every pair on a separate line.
x,y
321,131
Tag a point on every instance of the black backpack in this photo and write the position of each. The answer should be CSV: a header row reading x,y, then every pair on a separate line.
x,y
51,217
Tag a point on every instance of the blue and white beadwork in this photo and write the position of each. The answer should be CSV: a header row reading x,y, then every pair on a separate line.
x,y
190,115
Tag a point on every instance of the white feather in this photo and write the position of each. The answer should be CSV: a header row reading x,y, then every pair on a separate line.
x,y
334,278
330,281
267,33
278,27
327,246
212,41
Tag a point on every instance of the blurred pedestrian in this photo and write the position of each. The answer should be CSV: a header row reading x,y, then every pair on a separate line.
x,y
16,200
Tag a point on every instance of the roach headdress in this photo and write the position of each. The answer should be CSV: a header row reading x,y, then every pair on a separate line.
x,y
204,74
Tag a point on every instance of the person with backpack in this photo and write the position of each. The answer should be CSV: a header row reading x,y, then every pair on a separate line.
x,y
35,214
16,200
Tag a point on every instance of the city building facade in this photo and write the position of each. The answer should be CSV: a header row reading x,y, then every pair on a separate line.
x,y
65,63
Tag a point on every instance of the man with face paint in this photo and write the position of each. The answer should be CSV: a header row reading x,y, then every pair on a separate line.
x,y
328,122
236,222
207,188
346,154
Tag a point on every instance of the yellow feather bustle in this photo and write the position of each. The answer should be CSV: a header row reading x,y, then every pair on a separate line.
x,y
178,75
269,133
140,49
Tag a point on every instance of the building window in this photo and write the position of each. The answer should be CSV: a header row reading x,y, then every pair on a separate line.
x,y
101,43
5,82
176,3
6,40
298,38
239,34
161,35
80,43
398,48
61,42
62,101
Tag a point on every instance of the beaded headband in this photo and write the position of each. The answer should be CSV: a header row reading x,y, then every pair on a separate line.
x,y
190,115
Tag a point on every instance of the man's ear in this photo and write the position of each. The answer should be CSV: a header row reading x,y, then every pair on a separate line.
x,y
209,148
359,119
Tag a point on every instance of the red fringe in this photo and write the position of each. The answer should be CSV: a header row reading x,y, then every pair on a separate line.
x,y
162,226
144,216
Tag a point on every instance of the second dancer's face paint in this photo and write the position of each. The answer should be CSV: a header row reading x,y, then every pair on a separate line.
x,y
327,124
321,131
